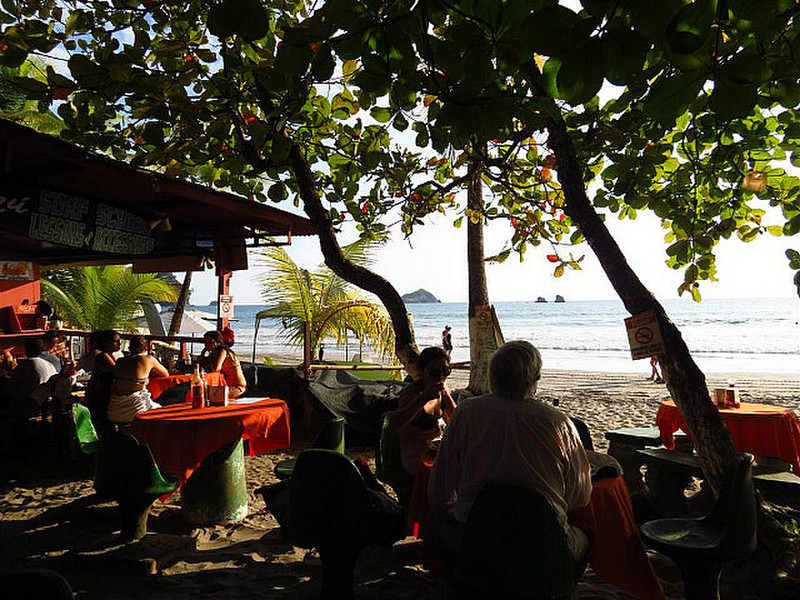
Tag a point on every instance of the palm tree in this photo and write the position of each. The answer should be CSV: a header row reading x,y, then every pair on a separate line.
x,y
324,301
104,297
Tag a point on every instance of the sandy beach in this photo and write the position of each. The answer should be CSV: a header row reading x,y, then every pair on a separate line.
x,y
49,517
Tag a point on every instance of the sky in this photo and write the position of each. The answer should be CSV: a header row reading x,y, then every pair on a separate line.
x,y
434,259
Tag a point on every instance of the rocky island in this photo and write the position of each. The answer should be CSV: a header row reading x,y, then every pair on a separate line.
x,y
420,297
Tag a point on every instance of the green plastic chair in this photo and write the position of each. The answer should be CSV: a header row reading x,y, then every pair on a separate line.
x,y
85,437
174,395
514,547
700,546
389,466
332,509
127,472
330,437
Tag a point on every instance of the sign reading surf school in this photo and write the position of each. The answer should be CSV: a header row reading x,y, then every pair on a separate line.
x,y
73,221
644,335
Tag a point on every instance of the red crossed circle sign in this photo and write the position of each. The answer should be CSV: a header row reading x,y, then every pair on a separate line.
x,y
644,335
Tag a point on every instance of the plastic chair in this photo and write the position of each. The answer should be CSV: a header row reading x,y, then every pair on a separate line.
x,y
699,546
514,547
332,509
127,472
175,394
389,466
86,438
330,437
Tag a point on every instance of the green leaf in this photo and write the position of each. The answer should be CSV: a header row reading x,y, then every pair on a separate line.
x,y
548,29
381,114
671,96
559,271
581,75
349,68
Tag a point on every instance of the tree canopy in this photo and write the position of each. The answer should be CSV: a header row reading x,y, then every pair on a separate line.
x,y
221,91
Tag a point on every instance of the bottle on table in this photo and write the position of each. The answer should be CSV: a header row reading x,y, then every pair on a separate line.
x,y
198,388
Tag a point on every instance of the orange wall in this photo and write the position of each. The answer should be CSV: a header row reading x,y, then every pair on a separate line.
x,y
14,292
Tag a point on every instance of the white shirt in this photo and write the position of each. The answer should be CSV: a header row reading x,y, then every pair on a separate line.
x,y
514,442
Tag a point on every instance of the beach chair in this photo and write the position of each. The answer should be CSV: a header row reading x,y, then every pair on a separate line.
x,y
388,464
85,439
514,547
330,437
332,509
699,546
127,472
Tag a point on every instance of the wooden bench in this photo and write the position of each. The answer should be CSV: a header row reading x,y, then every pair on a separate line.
x,y
623,443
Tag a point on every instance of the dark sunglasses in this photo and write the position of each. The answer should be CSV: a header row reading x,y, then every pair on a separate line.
x,y
443,372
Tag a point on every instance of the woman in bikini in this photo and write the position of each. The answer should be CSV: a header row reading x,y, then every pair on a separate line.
x,y
420,406
129,393
217,356
98,390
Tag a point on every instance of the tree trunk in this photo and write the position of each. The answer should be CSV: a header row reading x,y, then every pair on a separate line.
x,y
685,381
180,305
405,344
481,334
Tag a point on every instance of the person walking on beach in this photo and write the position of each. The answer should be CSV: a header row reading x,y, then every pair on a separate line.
x,y
509,437
447,341
655,375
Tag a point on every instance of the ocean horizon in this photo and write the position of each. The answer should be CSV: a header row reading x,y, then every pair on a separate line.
x,y
756,335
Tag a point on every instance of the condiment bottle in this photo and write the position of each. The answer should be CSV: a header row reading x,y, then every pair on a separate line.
x,y
198,388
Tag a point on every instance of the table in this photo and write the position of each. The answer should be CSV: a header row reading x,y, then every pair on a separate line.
x,y
616,552
761,429
203,448
158,385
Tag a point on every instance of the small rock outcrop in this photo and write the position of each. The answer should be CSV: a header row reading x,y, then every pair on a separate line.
x,y
420,297
541,299
559,298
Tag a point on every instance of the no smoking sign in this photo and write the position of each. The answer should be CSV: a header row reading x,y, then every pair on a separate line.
x,y
644,336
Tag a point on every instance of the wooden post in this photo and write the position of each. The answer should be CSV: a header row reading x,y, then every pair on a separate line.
x,y
224,290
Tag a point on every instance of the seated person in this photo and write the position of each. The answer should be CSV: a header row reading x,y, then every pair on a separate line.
x,y
217,356
129,393
508,437
7,364
98,390
420,406
53,349
32,380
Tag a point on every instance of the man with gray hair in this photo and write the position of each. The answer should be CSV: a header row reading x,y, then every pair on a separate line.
x,y
508,437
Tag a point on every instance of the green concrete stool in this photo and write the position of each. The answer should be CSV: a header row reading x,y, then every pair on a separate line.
x,y
217,490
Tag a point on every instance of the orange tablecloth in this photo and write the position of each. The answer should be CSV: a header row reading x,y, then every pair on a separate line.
x,y
180,437
761,429
616,552
158,385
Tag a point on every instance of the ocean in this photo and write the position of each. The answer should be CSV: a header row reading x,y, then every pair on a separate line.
x,y
746,336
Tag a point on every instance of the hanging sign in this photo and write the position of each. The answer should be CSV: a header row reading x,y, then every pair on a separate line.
x,y
16,270
644,335
226,306
72,221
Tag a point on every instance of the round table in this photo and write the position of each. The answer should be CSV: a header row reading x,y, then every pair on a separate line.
x,y
761,429
203,448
